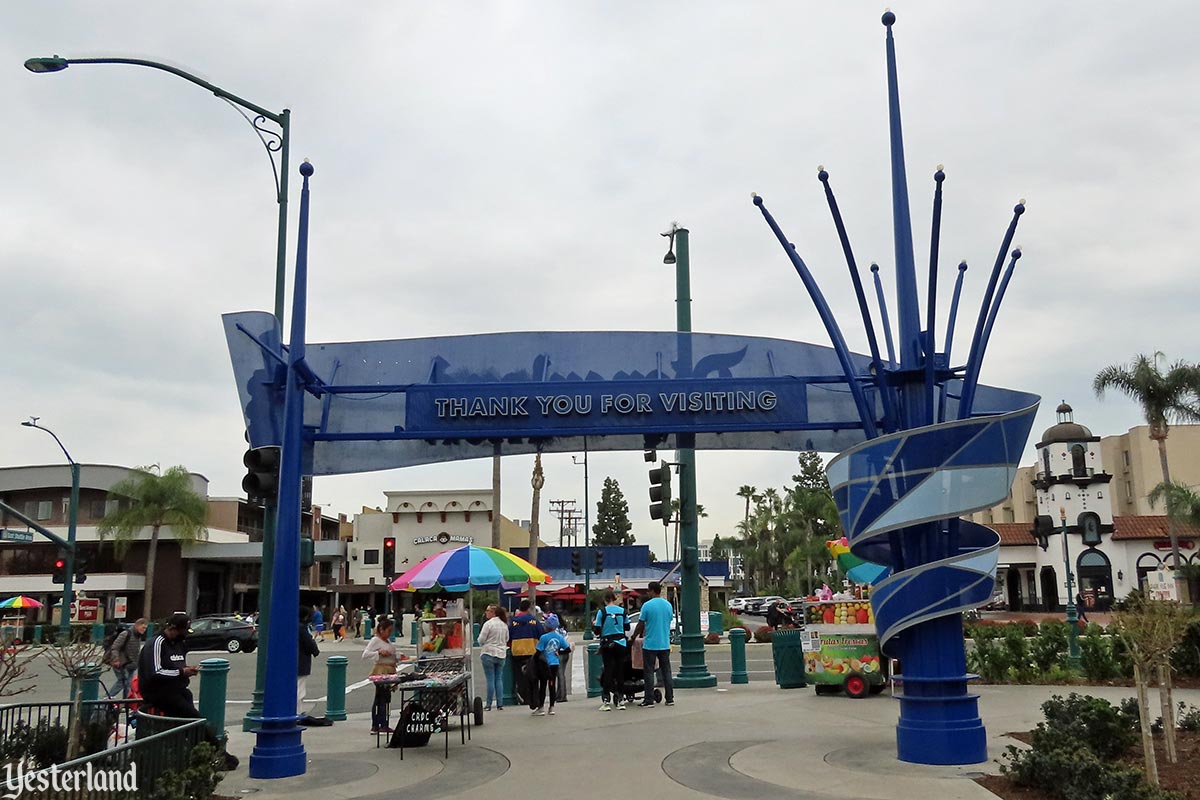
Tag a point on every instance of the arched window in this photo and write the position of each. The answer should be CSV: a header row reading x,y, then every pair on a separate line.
x,y
1078,461
1146,563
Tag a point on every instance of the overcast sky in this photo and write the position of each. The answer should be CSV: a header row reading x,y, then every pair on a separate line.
x,y
509,166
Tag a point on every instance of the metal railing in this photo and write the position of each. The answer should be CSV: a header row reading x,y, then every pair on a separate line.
x,y
121,768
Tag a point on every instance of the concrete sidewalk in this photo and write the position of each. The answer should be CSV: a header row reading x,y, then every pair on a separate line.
x,y
741,743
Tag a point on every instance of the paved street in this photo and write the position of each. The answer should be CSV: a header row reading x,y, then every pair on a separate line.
x,y
49,687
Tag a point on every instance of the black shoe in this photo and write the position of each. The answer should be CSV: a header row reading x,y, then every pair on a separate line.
x,y
231,762
644,704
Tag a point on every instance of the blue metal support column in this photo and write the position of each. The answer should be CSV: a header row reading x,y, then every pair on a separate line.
x,y
279,751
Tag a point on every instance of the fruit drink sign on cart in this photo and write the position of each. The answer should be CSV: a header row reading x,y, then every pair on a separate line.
x,y
831,658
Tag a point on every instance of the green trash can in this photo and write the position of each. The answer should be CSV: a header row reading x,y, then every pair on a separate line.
x,y
787,651
715,622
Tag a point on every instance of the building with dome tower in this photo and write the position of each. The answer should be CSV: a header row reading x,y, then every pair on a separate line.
x,y
1114,536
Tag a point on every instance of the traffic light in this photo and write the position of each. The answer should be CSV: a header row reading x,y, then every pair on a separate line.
x,y
81,565
599,554
308,552
389,558
261,483
576,562
660,493
306,493
60,569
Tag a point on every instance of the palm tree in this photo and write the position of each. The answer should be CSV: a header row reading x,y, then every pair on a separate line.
x,y
157,500
1182,502
537,482
1164,398
748,492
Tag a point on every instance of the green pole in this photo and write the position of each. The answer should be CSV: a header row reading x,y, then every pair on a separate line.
x,y
693,673
737,655
214,673
335,688
64,619
253,717
1073,659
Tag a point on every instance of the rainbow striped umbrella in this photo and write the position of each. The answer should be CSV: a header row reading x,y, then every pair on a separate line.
x,y
469,567
856,569
20,601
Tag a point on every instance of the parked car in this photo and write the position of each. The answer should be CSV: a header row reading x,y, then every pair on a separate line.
x,y
637,615
761,604
222,633
999,602
737,604
749,604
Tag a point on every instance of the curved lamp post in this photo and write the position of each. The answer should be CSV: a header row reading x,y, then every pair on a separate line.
x,y
274,143
64,620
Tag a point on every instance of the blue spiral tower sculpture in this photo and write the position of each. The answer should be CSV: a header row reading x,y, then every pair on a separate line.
x,y
938,445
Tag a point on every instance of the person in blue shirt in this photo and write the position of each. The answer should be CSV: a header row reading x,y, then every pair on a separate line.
x,y
611,626
551,644
318,622
655,623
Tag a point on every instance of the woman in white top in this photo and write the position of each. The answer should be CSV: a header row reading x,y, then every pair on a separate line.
x,y
381,650
493,644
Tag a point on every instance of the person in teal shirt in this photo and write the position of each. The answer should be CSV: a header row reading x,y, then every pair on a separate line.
x,y
551,644
655,623
611,626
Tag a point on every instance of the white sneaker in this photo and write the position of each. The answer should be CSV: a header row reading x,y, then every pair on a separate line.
x,y
605,707
551,710
621,706
537,712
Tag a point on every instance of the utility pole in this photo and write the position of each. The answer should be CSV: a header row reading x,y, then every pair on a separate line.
x,y
693,673
572,519
559,509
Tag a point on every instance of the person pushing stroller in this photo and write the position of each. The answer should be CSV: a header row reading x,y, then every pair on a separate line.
x,y
611,625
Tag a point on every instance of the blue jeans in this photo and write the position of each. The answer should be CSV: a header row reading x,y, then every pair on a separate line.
x,y
492,671
123,676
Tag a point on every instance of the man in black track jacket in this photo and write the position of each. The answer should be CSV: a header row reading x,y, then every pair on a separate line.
x,y
163,676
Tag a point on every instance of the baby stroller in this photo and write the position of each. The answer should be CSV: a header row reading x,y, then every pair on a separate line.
x,y
633,683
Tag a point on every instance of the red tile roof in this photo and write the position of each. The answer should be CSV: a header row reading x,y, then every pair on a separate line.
x,y
1014,533
1149,528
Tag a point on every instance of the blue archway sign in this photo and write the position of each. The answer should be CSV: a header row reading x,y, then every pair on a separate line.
x,y
920,442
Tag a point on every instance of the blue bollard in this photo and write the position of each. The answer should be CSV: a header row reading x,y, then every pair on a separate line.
x,y
475,629
412,631
37,634
335,688
737,655
368,625
214,674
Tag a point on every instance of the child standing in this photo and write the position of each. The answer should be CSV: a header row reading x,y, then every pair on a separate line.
x,y
551,644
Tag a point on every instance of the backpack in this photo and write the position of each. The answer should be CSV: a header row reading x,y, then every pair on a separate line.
x,y
605,643
109,641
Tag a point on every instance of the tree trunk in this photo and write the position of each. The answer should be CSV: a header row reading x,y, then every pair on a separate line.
x,y
151,558
1168,712
539,480
496,499
76,718
1144,716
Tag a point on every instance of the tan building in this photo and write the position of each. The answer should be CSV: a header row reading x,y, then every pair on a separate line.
x,y
1131,459
420,524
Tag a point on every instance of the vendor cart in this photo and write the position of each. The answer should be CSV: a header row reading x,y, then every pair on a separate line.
x,y
841,648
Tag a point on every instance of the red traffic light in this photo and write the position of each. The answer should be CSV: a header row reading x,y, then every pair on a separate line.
x,y
60,564
389,543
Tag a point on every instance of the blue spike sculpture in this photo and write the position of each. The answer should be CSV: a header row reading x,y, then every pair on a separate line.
x,y
900,495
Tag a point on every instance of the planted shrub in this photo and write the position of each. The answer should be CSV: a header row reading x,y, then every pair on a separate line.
x,y
1096,656
763,634
1050,645
989,659
1092,721
712,638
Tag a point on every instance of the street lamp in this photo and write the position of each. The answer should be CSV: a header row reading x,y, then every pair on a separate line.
x,y
274,143
588,561
1072,614
693,673
64,620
